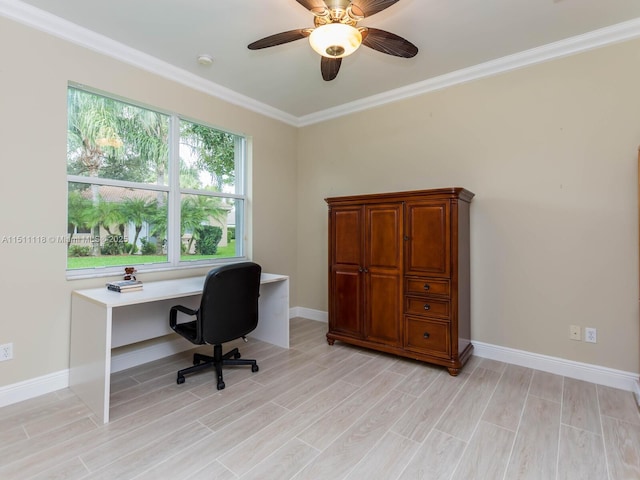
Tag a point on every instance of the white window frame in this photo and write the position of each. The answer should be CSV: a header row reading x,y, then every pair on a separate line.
x,y
174,194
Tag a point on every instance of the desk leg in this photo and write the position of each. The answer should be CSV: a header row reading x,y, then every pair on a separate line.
x,y
273,313
90,355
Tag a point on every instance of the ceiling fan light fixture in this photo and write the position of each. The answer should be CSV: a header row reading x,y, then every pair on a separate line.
x,y
335,40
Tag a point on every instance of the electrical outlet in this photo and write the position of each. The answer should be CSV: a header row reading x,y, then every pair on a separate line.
x,y
574,332
590,335
6,352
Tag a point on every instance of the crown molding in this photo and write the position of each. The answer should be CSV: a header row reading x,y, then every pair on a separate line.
x,y
570,46
48,23
56,26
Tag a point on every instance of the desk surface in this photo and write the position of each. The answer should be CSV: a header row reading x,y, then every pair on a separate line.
x,y
155,291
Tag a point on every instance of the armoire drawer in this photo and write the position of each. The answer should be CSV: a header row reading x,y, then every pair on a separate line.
x,y
427,286
428,337
426,307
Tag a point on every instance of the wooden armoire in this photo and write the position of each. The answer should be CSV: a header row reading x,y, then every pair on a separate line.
x,y
399,274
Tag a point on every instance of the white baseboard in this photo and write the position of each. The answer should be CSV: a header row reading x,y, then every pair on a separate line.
x,y
629,381
560,366
33,387
132,358
309,313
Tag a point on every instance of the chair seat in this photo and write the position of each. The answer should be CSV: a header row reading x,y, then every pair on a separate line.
x,y
189,331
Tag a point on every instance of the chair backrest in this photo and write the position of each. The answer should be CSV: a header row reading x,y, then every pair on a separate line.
x,y
229,305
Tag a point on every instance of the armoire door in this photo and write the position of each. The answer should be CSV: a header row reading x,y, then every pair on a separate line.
x,y
428,238
383,235
346,280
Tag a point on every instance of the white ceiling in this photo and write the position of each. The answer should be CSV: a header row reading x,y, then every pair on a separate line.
x,y
457,40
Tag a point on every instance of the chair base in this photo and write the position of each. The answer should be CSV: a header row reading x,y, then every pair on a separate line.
x,y
200,362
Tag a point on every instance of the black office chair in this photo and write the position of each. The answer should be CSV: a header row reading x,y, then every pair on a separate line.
x,y
228,310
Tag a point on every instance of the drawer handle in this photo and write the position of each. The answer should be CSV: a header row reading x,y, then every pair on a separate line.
x,y
425,335
427,306
426,286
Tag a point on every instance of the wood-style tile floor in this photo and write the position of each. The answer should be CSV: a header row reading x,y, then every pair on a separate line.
x,y
328,412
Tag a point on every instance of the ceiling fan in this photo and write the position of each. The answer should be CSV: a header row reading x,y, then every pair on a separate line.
x,y
336,34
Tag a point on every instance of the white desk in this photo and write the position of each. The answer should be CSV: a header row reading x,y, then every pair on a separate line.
x,y
102,320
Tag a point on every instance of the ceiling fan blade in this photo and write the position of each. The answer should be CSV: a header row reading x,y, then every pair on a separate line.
x,y
389,43
330,67
366,8
315,6
280,38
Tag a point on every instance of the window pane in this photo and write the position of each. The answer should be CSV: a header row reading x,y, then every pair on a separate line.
x,y
208,227
207,158
125,184
111,226
111,139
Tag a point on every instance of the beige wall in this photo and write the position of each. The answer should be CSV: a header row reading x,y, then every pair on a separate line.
x,y
34,72
550,152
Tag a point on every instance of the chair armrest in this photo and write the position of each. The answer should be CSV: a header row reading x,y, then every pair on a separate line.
x,y
173,314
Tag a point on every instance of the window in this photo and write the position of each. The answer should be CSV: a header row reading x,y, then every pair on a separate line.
x,y
147,187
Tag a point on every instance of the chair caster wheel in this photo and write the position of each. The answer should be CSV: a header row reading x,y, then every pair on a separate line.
x,y
237,355
254,368
220,385
180,380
